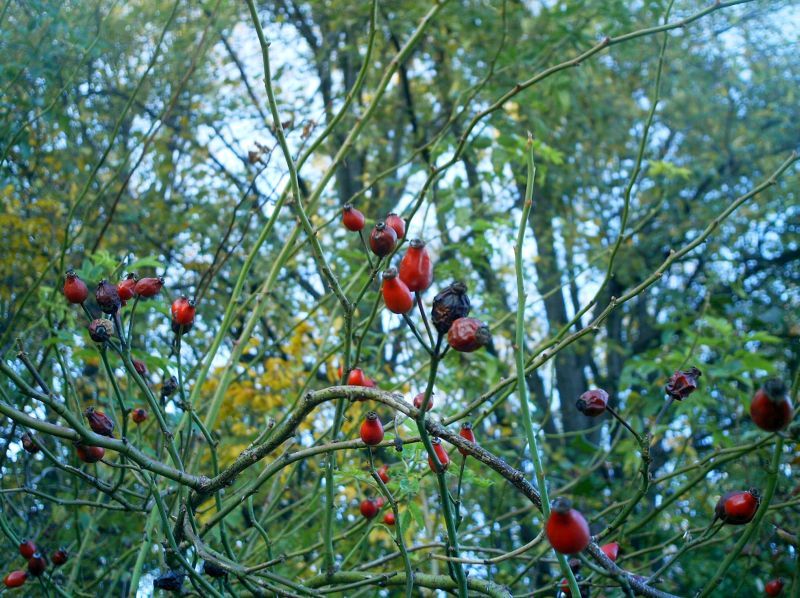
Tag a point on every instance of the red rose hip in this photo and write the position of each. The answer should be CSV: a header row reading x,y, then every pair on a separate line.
x,y
125,288
774,587
59,557
566,529
467,434
396,296
611,550
383,473
27,548
183,311
416,268
89,454
138,415
398,224
468,334
352,218
418,400
75,290
770,408
372,430
29,444
368,508
99,422
737,507
37,564
389,519
149,287
15,579
593,402
382,239
441,454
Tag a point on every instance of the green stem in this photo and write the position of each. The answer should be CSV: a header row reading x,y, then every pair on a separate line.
x,y
522,388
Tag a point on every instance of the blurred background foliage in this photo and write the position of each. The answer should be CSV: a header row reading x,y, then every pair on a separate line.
x,y
135,137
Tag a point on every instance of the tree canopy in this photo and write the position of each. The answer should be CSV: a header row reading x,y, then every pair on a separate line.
x,y
614,183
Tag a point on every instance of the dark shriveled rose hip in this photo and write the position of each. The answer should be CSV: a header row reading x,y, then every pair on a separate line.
x,y
107,297
450,305
99,422
593,402
170,581
100,330
682,384
468,334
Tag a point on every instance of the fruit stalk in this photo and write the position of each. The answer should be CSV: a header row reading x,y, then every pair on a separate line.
x,y
522,388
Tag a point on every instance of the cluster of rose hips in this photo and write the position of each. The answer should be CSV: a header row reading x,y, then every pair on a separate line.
x,y
771,410
415,275
37,564
111,298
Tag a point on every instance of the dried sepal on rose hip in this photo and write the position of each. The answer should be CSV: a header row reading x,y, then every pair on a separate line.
x,y
771,410
468,334
101,330
396,296
738,506
450,305
107,297
99,422
593,402
372,430
169,387
75,290
566,529
352,218
682,384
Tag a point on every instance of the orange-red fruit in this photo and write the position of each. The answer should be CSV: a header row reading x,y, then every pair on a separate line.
x,y
566,529
467,434
37,564
89,454
15,579
383,473
389,519
148,287
356,377
396,296
27,548
125,287
441,454
368,508
382,239
397,223
75,290
138,415
611,550
416,268
468,334
59,557
593,402
420,398
774,587
372,430
183,311
771,409
737,507
352,218
99,422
